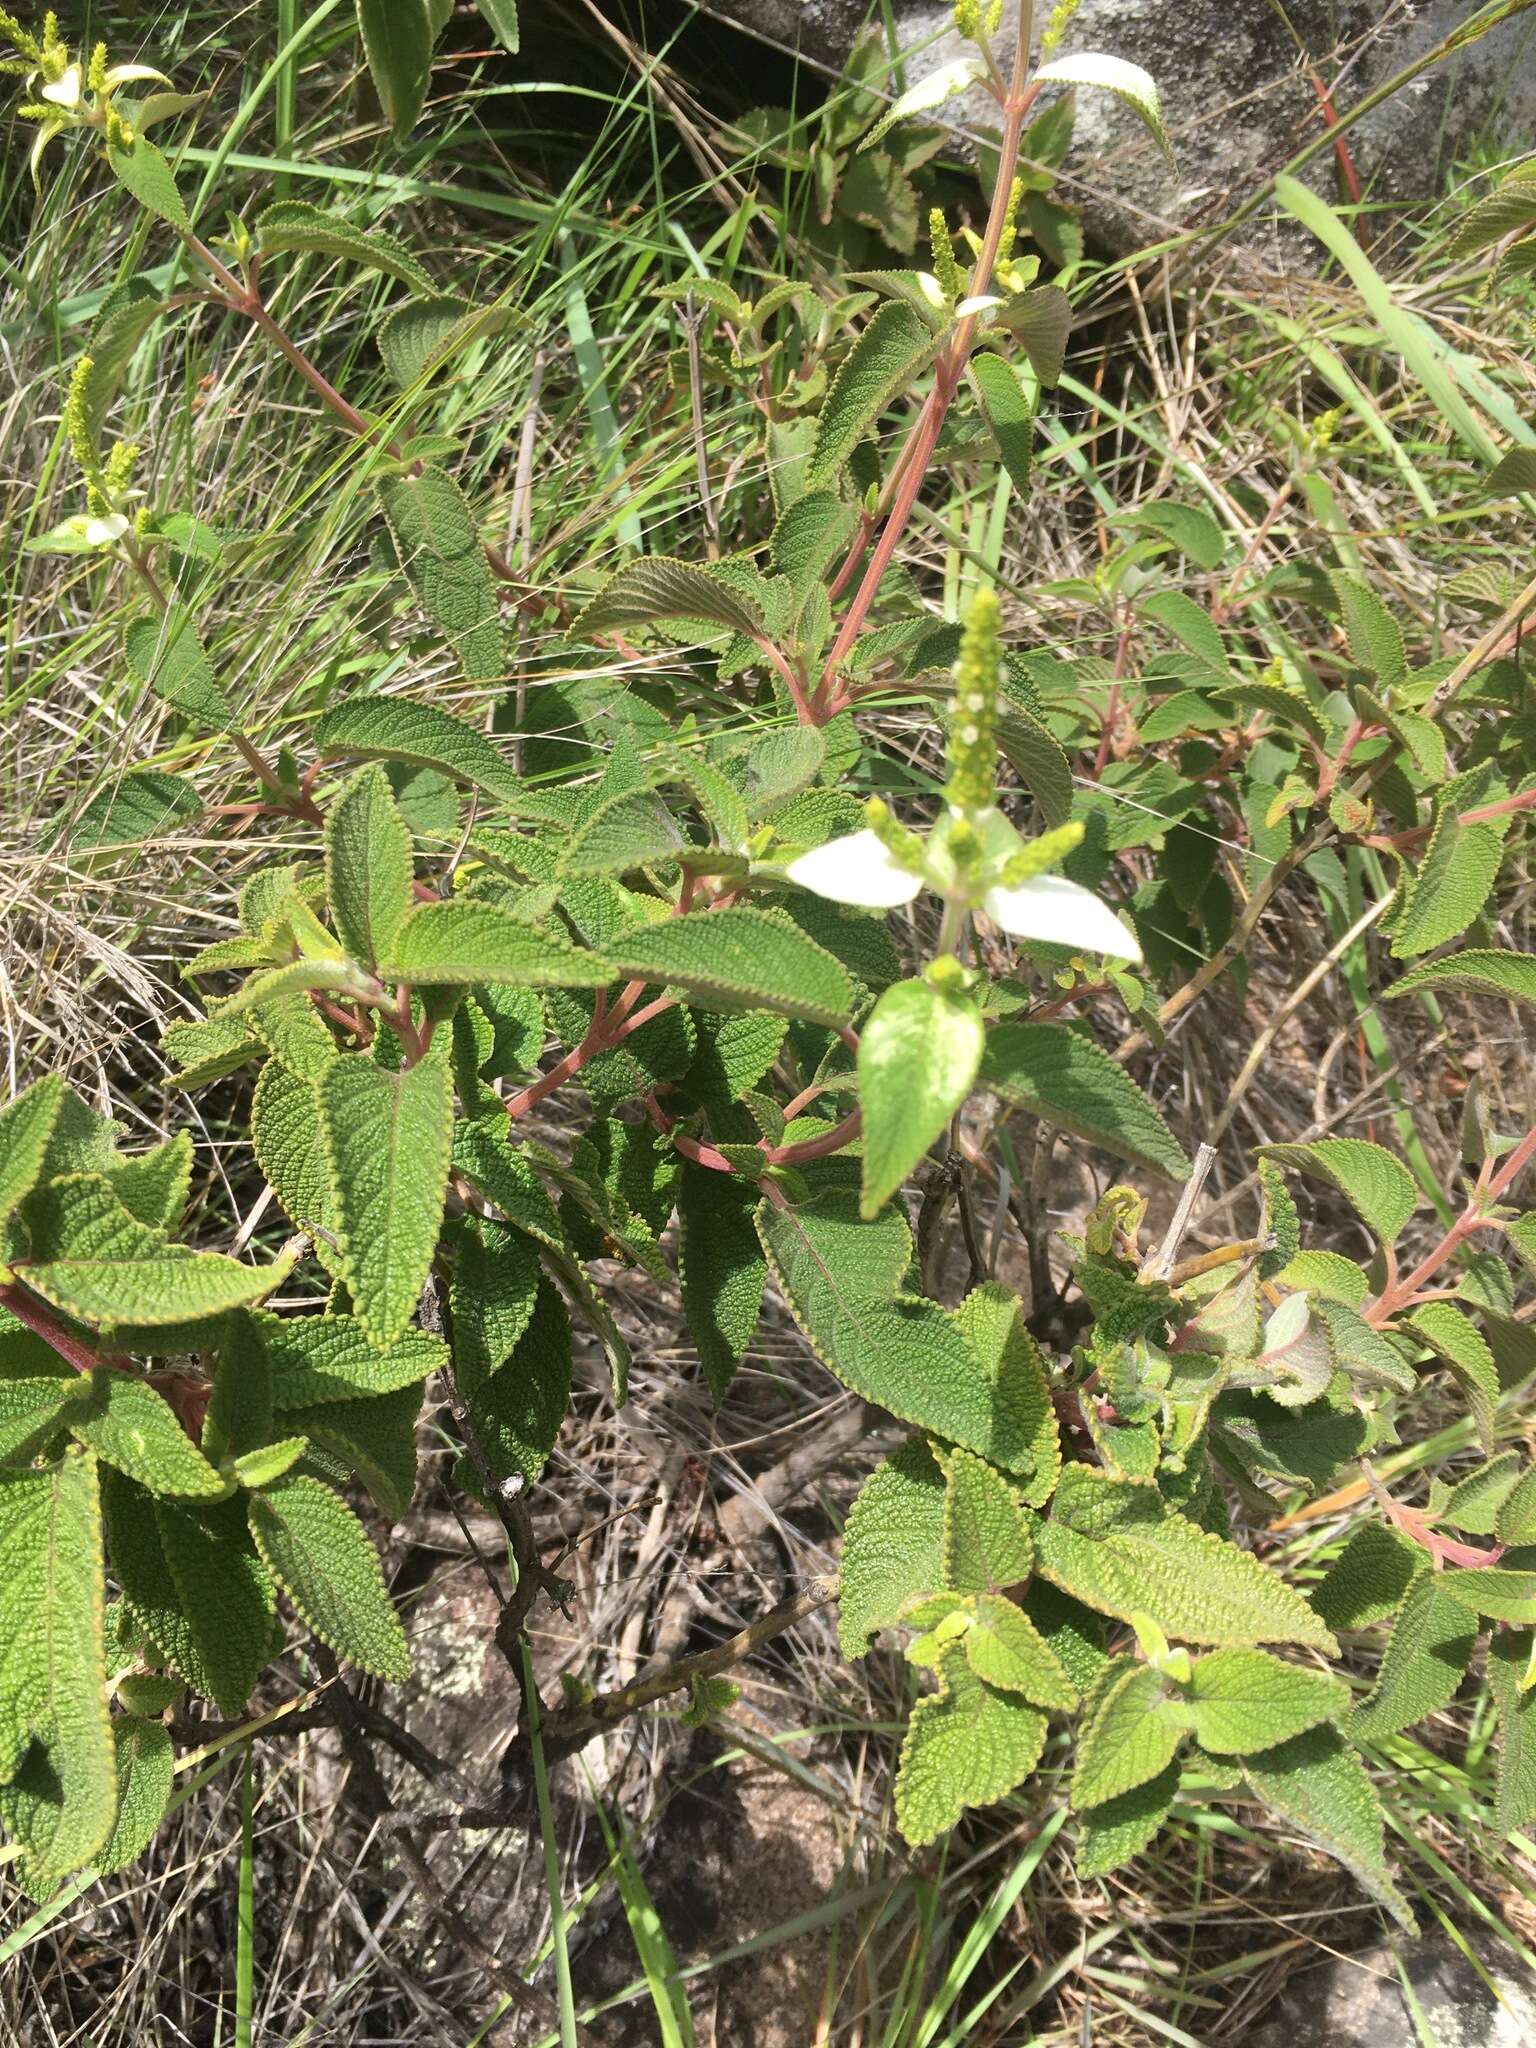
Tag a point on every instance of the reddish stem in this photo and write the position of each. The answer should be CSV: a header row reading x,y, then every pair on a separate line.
x,y
35,1314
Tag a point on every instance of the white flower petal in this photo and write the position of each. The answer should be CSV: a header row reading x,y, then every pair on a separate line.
x,y
1057,911
125,74
102,532
65,90
855,869
983,303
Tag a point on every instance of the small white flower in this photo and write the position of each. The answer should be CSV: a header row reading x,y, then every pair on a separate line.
x,y
1054,910
982,303
125,74
66,90
102,532
857,868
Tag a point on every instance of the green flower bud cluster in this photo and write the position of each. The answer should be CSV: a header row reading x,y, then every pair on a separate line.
x,y
972,751
1041,855
905,847
1058,24
946,265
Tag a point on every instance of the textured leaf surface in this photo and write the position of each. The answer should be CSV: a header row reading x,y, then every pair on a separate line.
x,y
1004,1647
1477,971
1128,82
394,729
52,1673
144,172
722,1269
918,1055
458,944
1113,1834
1008,413
1379,1187
1051,1071
1129,1737
93,1259
1425,1662
239,1416
1508,1657
877,369
987,1542
293,224
31,1410
516,1412
128,1425
374,1438
167,655
26,1125
839,1277
387,1138
397,41
1116,1545
659,587
1500,1593
1243,1700
319,1552
285,1135
967,1745
737,959
1374,636
143,805
495,1281
1315,1781
368,869
1455,1338
991,1319
145,1762
892,1544
438,543
1448,885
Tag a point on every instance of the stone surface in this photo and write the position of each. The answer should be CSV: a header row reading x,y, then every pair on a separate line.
x,y
1358,2002
1237,96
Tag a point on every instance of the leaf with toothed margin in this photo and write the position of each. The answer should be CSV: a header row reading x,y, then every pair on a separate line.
x,y
460,944
437,539
1456,1340
880,366
1112,1834
892,1544
423,736
368,866
319,1552
1053,1072
1476,970
657,587
128,1425
1316,1782
968,1744
26,1126
1377,1186
722,1271
1425,1661
387,1138
1128,82
738,959
1509,1658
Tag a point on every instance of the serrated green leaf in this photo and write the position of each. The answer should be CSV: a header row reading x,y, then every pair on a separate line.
x,y
128,1425
1116,1545
738,958
1509,1657
1007,411
930,91
892,1544
93,1259
294,225
1052,1071
1513,475
967,1744
1190,624
882,363
658,587
987,1543
438,542
1315,1781
919,1051
1130,1736
1369,1579
258,1468
145,1760
1499,1593
991,1319
1116,1832
1447,887
285,1135
622,832
463,943
239,1414
424,333
394,729
1478,970
1040,321
1517,1516
387,1139
374,1438
517,1410
154,1186
839,1276
1131,85
368,866
1374,636
501,17
143,171
1003,1647
495,1283
319,1552
330,1358
52,1669
26,1126
1456,1340
32,1410
1475,1504
144,804
397,41
1511,205
1377,1186
722,1271
1243,1700
1280,702
1425,1662
166,654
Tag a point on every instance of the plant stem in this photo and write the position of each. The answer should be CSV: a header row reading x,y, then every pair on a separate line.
x,y
1405,1292
552,1886
29,1310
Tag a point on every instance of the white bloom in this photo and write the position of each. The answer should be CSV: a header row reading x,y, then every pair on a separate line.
x,y
126,74
66,90
857,868
102,532
983,303
1052,909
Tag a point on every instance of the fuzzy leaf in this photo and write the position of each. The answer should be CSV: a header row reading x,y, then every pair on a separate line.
x,y
738,959
1040,321
516,1412
424,333
1478,971
1448,885
329,1358
145,1760
394,729
1517,1516
495,1282
1116,1832
1243,1700
1475,1504
387,1139
1315,1781
1369,1579
722,1271
375,1439
1456,1340
294,225
892,1544
1116,1545
52,1672
986,1539
919,1051
1377,1186
1007,411
368,868
239,1415
319,1552
1425,1662
877,369
166,654
93,1259
991,1319
1508,1657
285,1135
622,832
940,84
1495,1591
153,1186
397,41
144,804
1053,1072
438,542
464,943
1128,82
128,1425
1004,1647
1375,639
144,172
839,1277
32,1410
658,587
1129,1737
26,1126
967,1745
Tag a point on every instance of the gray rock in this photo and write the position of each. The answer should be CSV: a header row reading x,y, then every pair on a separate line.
x,y
1357,2001
1237,96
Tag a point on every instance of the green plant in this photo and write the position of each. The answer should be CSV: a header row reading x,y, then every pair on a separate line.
x,y
698,927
